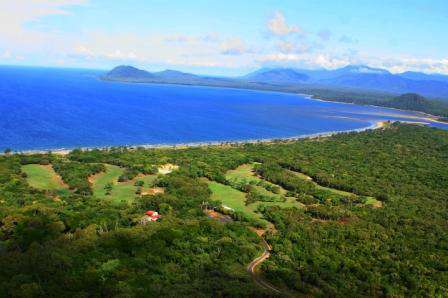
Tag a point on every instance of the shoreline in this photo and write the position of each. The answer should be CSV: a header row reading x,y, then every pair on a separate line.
x,y
374,125
429,117
64,151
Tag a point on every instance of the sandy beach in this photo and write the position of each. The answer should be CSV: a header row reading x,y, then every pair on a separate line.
x,y
65,151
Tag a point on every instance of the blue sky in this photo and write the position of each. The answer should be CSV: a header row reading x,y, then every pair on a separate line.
x,y
226,37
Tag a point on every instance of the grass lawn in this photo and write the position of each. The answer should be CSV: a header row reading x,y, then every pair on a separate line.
x,y
43,177
147,179
232,198
243,172
236,199
289,203
121,191
374,202
246,172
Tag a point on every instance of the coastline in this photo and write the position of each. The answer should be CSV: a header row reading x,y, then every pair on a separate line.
x,y
430,117
427,117
373,125
64,151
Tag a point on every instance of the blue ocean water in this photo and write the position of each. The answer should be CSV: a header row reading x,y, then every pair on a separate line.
x,y
43,108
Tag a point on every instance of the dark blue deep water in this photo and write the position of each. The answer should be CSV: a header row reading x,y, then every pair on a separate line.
x,y
59,108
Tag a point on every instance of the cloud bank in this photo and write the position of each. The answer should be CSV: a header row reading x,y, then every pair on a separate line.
x,y
281,42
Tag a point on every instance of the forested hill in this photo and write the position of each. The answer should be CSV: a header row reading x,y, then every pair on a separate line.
x,y
415,102
354,215
408,101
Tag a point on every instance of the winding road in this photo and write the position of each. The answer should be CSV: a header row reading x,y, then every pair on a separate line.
x,y
252,269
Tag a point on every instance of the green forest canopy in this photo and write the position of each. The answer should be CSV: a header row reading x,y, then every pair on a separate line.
x,y
74,243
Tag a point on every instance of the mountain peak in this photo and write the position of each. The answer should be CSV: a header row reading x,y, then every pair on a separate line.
x,y
363,69
127,71
277,76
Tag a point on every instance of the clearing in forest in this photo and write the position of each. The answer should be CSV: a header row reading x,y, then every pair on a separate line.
x,y
232,198
246,173
43,177
236,199
119,191
167,168
371,201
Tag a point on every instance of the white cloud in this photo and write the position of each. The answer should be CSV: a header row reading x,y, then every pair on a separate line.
x,y
401,64
309,60
180,38
277,25
279,58
18,30
18,12
170,51
289,47
6,55
119,55
233,46
335,60
15,14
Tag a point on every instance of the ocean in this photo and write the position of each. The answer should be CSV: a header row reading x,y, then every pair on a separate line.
x,y
49,108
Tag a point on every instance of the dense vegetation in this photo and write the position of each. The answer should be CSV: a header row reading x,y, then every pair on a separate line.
x,y
75,174
75,243
408,101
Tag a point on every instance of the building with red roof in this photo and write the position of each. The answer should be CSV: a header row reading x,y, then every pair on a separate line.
x,y
150,216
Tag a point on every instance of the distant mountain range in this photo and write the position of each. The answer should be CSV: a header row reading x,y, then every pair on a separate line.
x,y
382,80
283,76
418,76
353,77
126,73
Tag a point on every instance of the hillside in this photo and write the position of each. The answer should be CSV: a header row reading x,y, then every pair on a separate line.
x,y
415,102
132,74
359,214
418,76
277,76
125,72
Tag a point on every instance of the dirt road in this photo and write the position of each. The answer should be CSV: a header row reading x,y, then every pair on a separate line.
x,y
252,269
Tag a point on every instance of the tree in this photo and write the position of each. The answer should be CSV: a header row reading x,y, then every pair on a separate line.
x,y
108,187
139,183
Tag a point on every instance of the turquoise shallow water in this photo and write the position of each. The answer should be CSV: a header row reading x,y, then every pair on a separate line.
x,y
59,108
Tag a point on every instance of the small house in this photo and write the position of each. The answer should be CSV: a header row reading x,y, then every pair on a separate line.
x,y
150,216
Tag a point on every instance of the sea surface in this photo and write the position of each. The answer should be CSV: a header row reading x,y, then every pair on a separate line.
x,y
44,108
